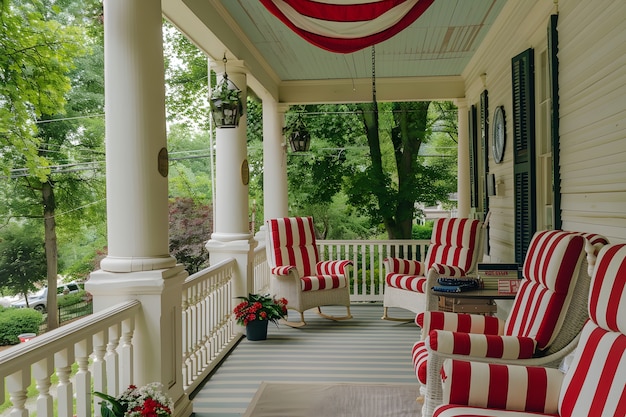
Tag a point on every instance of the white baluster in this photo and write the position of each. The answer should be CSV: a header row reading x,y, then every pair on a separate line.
x,y
99,367
63,361
126,352
112,361
42,371
82,378
17,385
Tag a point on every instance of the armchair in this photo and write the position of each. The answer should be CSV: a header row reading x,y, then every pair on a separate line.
x,y
593,385
454,249
548,314
298,275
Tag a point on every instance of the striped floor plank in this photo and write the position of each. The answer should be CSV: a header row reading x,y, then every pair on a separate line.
x,y
364,349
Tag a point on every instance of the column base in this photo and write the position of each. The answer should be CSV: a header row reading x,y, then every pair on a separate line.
x,y
137,264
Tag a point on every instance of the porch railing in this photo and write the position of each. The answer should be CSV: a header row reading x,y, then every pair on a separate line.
x,y
99,346
368,273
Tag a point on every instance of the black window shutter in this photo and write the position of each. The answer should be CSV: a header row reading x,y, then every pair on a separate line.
x,y
553,61
524,150
473,140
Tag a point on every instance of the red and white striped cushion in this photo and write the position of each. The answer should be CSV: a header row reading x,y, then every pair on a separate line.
x,y
516,388
292,242
459,322
449,270
419,354
550,272
332,267
461,411
481,345
453,242
404,266
323,282
596,380
415,283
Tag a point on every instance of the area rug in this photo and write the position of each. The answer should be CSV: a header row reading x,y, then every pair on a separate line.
x,y
334,400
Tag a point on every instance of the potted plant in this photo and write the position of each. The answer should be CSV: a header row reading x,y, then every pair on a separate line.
x,y
299,136
148,400
226,105
255,311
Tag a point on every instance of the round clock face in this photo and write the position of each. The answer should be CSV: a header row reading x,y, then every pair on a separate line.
x,y
499,135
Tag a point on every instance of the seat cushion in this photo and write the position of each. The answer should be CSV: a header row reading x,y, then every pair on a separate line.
x,y
420,356
550,272
453,242
415,283
323,282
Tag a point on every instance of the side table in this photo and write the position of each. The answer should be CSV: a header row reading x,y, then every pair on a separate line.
x,y
474,301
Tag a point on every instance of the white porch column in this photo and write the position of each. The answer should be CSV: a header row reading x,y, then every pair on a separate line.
x,y
463,179
232,237
275,199
138,264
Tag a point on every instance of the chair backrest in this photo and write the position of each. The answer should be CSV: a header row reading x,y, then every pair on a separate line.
x,y
595,384
550,272
291,241
455,242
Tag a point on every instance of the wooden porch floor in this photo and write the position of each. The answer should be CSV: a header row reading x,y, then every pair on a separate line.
x,y
364,349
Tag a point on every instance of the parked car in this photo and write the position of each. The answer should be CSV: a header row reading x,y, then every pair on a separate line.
x,y
39,300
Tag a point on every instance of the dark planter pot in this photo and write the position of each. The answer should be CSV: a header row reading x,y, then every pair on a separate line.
x,y
257,330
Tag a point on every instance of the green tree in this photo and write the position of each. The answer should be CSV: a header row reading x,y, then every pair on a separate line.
x,y
36,54
64,146
22,258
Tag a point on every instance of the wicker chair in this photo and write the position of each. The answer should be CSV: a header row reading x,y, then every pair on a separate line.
x,y
454,250
594,384
298,275
547,316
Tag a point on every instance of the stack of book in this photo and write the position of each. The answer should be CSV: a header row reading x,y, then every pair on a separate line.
x,y
503,277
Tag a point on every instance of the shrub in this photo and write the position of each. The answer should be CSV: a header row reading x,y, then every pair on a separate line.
x,y
422,232
15,321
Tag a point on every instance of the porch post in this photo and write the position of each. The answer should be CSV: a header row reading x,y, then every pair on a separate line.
x,y
275,201
232,237
463,179
138,265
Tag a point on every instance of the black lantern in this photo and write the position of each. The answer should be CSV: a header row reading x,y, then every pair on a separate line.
x,y
226,106
299,136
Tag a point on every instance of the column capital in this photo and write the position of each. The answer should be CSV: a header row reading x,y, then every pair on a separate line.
x,y
461,102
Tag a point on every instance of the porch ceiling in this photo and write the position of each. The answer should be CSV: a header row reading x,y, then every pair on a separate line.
x,y
425,61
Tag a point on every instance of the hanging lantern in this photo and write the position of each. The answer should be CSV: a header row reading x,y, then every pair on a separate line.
x,y
225,102
299,136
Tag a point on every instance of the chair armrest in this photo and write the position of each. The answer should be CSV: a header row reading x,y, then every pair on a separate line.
x,y
481,345
332,267
282,271
404,266
459,322
448,270
510,387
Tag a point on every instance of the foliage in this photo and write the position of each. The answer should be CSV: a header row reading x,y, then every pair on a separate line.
x,y
71,299
186,80
422,232
22,258
148,401
260,307
191,224
15,321
36,54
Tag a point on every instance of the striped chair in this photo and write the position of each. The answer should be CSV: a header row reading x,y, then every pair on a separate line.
x,y
454,250
298,275
547,316
593,385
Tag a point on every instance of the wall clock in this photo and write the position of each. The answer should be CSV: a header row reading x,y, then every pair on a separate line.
x,y
499,135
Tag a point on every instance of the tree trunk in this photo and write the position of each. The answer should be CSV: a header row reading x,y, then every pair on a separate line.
x,y
47,192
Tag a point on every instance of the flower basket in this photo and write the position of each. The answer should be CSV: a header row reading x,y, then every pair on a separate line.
x,y
148,400
226,105
255,312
